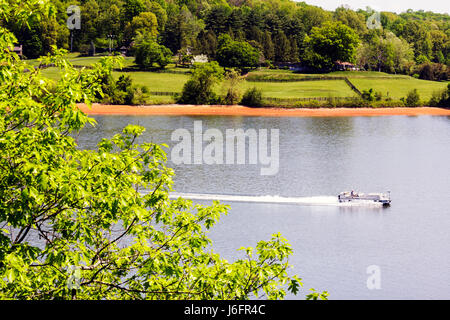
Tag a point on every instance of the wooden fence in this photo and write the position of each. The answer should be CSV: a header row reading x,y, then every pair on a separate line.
x,y
251,79
172,93
164,93
306,99
347,81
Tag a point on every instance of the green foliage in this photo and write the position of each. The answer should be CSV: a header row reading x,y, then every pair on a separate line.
x,y
199,88
236,54
378,96
419,37
386,53
122,91
231,87
421,59
368,95
185,58
99,224
317,295
282,47
433,71
160,13
252,98
412,99
145,22
132,8
332,42
371,95
441,98
354,20
282,30
147,52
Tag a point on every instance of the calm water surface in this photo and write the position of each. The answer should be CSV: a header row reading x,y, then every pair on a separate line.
x,y
333,246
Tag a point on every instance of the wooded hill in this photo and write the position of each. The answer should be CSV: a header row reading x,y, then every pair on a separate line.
x,y
281,30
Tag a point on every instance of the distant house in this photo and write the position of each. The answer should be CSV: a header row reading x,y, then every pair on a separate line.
x,y
201,58
345,66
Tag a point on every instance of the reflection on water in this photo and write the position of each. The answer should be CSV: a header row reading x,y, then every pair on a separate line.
x,y
333,246
330,127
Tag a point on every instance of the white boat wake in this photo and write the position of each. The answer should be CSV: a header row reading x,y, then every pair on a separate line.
x,y
312,201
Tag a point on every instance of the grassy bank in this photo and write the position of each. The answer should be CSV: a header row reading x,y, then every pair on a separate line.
x,y
397,88
282,88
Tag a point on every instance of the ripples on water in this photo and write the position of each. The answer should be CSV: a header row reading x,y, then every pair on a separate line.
x,y
333,245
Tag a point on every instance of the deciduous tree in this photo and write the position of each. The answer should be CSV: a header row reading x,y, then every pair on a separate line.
x,y
332,42
147,52
199,88
236,54
99,224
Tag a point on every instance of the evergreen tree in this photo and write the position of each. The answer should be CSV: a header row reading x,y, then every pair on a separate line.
x,y
282,47
269,48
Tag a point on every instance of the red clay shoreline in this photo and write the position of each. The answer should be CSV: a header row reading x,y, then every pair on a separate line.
x,y
221,110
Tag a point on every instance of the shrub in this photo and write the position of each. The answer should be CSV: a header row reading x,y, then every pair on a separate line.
x,y
199,88
123,91
433,71
388,103
332,102
368,95
138,96
252,98
441,98
231,88
412,99
313,104
378,96
358,102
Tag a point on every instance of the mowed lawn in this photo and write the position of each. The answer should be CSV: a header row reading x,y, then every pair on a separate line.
x,y
157,81
367,74
87,61
397,88
154,81
302,89
169,82
394,86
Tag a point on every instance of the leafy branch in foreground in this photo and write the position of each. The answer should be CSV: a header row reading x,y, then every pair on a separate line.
x,y
99,224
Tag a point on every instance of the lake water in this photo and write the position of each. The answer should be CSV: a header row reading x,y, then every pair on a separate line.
x,y
408,242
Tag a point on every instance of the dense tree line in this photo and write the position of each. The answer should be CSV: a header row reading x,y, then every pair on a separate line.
x,y
281,31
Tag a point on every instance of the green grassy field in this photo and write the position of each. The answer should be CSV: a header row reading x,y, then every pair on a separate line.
x,y
155,81
367,74
302,89
398,88
174,83
87,61
274,74
394,86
